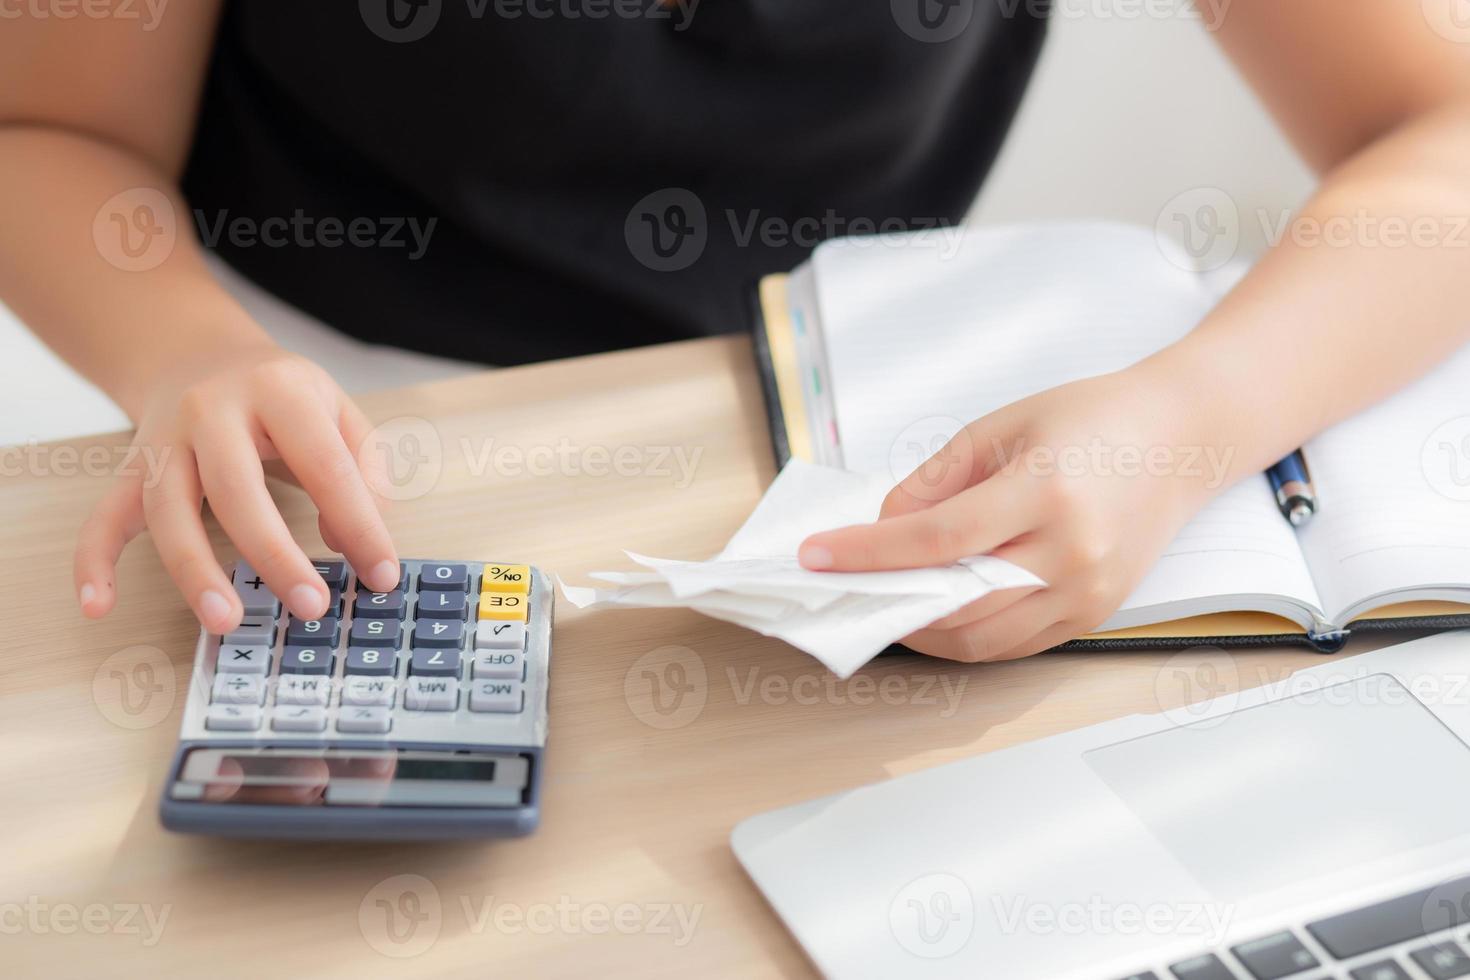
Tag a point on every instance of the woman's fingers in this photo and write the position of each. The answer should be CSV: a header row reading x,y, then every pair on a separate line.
x,y
171,507
234,482
974,522
116,520
310,443
999,637
1030,555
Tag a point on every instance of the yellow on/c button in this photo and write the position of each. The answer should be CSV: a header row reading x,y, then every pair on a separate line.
x,y
506,578
502,605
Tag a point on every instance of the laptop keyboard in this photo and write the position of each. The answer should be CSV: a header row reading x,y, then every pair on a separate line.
x,y
1419,936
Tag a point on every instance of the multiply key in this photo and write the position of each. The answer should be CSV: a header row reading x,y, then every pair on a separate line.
x,y
243,660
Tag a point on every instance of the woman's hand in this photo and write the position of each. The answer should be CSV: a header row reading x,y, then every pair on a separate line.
x,y
1084,485
209,424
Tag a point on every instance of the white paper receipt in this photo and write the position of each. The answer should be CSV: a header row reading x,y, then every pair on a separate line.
x,y
844,619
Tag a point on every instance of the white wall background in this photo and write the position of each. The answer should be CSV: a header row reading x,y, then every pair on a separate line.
x,y
1125,114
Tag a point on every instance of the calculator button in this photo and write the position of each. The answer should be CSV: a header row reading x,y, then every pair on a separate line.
x,y
500,664
306,660
496,695
1381,970
367,720
334,573
305,632
299,718
435,663
380,661
503,606
506,578
1207,966
1444,960
375,633
402,580
440,577
255,595
380,605
361,689
237,689
254,631
431,694
443,605
500,635
232,718
439,633
243,660
304,689
1275,956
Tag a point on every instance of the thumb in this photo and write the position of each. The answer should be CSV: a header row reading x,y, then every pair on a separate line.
x,y
972,455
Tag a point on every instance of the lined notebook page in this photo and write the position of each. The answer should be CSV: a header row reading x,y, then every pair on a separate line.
x,y
941,328
924,336
1395,488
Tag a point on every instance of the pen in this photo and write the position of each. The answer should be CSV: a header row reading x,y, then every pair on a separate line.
x,y
1292,484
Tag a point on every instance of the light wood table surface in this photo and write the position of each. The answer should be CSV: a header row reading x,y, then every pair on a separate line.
x,y
631,871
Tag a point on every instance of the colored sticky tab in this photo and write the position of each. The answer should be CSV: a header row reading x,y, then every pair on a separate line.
x,y
506,578
502,605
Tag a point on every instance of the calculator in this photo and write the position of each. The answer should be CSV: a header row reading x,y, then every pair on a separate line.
x,y
418,713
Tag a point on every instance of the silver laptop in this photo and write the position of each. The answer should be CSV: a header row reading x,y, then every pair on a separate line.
x,y
1319,827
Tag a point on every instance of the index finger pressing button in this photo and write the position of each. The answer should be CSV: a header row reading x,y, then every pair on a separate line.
x,y
379,605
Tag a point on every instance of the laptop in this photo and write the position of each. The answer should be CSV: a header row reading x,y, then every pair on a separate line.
x,y
1317,827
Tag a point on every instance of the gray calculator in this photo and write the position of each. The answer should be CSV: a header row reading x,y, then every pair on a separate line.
x,y
418,713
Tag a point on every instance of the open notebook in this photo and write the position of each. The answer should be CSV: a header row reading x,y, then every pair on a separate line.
x,y
876,350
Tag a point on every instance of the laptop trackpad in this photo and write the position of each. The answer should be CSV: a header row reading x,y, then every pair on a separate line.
x,y
1285,791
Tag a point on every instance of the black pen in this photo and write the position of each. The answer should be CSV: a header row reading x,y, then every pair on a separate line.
x,y
1295,494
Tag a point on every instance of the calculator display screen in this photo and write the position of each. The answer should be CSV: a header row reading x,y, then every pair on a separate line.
x,y
344,777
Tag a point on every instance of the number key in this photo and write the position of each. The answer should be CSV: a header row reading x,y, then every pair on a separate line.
x,y
379,605
439,633
306,660
443,605
375,633
303,632
433,578
435,663
371,660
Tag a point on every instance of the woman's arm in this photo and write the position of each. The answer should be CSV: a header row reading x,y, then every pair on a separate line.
x,y
98,256
1379,101
91,109
1371,284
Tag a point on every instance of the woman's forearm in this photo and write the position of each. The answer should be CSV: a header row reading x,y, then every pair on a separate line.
x,y
98,257
1368,289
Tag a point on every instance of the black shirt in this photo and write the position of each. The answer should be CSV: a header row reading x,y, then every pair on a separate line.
x,y
513,180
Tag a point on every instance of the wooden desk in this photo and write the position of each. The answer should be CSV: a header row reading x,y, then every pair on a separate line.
x,y
638,804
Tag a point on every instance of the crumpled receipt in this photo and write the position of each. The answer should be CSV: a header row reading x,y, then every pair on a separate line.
x,y
844,619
